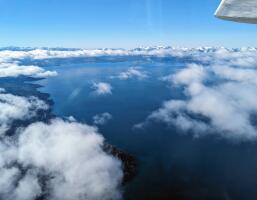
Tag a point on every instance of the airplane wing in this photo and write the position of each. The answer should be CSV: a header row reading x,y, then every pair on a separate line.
x,y
238,10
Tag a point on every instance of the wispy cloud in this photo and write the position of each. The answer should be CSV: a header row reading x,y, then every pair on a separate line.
x,y
101,119
132,72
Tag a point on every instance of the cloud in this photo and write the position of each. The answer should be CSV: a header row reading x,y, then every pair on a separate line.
x,y
71,119
10,66
39,53
28,187
193,73
219,97
58,160
74,93
75,160
243,55
226,112
14,107
236,74
102,88
71,163
132,72
102,119
11,59
174,112
14,70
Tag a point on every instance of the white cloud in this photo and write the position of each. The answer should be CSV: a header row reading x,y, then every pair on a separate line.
x,y
132,72
102,119
193,73
72,162
14,107
174,112
71,119
244,54
28,187
68,155
14,70
220,96
102,88
74,158
10,66
228,106
236,74
10,59
8,176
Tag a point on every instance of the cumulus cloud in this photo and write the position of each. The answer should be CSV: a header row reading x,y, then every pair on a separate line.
x,y
58,160
174,112
102,88
132,72
10,66
72,164
220,110
14,70
75,160
14,107
219,96
102,119
236,74
193,73
28,187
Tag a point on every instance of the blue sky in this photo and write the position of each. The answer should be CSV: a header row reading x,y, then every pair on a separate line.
x,y
119,23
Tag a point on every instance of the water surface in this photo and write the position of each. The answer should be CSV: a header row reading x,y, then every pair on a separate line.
x,y
172,165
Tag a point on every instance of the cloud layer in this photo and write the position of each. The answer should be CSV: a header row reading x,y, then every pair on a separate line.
x,y
245,55
11,59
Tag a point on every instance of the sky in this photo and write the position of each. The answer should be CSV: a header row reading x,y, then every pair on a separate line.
x,y
119,24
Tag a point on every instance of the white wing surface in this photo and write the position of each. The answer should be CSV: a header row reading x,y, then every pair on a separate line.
x,y
238,10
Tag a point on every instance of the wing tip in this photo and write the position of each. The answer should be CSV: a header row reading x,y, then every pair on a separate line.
x,y
222,13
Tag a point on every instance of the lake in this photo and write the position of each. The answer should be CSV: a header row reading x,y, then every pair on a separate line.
x,y
171,164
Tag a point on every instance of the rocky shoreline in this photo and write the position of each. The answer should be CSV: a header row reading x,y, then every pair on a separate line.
x,y
129,163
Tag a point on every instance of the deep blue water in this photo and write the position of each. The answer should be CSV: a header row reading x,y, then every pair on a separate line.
x,y
172,165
